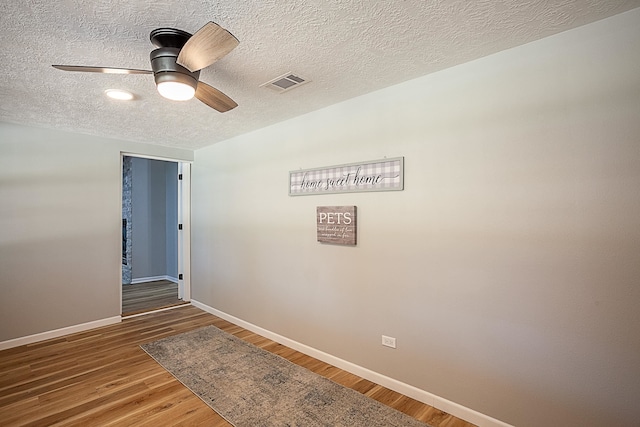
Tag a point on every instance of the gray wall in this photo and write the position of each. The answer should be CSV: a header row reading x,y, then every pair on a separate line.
x,y
154,218
60,227
171,211
509,267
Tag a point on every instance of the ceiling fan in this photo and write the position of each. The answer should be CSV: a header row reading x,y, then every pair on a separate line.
x,y
177,61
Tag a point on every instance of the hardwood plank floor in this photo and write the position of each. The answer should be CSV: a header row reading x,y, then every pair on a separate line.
x,y
148,296
102,377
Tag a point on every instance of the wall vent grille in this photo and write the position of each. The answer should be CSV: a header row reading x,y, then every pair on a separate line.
x,y
285,82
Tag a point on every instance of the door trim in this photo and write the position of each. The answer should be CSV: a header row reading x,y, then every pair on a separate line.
x,y
184,234
184,217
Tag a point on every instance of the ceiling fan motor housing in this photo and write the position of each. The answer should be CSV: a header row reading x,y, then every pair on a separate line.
x,y
165,68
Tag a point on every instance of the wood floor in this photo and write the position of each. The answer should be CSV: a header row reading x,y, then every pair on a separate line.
x,y
102,377
148,296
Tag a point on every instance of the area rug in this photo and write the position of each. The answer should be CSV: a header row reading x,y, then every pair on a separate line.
x,y
252,387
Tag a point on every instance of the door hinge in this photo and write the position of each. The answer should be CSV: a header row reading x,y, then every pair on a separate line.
x,y
179,177
180,276
179,226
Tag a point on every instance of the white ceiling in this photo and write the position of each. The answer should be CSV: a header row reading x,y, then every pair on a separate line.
x,y
346,47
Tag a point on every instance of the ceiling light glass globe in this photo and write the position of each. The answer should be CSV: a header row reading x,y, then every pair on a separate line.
x,y
176,91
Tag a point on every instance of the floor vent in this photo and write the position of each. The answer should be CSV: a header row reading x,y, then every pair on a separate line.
x,y
285,82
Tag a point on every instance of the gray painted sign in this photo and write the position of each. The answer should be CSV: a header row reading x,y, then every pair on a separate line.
x,y
337,224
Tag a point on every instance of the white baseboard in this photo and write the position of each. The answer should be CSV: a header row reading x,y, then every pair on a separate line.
x,y
423,396
153,279
30,339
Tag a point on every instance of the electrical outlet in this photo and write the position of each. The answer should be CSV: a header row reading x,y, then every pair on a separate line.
x,y
388,341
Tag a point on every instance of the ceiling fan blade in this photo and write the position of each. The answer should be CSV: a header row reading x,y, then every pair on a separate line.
x,y
214,98
107,70
206,46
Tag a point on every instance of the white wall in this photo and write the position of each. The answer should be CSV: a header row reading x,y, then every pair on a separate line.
x,y
509,267
60,228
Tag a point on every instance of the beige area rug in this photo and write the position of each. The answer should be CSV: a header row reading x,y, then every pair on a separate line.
x,y
252,387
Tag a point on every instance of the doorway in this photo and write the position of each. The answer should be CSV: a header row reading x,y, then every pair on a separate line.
x,y
155,227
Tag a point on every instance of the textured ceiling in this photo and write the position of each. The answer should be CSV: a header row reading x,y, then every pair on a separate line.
x,y
346,47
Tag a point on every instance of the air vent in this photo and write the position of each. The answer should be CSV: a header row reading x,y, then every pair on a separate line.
x,y
285,82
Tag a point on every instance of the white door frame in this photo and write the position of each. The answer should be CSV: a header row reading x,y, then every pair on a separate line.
x,y
184,218
184,234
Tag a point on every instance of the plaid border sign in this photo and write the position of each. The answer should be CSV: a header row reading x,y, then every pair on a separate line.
x,y
378,175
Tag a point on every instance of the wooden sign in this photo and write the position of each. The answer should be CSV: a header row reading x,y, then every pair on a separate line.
x,y
336,224
378,175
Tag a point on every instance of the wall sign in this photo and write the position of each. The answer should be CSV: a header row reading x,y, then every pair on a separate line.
x,y
379,175
337,224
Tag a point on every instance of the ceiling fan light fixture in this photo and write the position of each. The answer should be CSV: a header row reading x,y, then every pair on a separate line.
x,y
176,86
176,91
